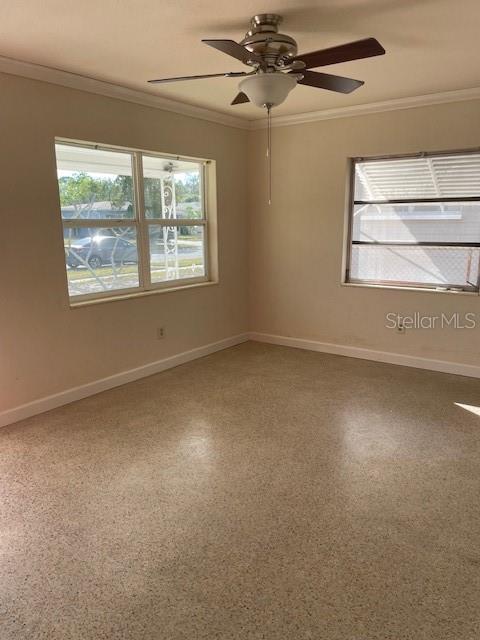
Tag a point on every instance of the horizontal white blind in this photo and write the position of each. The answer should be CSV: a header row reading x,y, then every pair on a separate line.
x,y
442,176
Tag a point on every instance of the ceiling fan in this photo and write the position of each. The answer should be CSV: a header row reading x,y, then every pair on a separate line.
x,y
277,67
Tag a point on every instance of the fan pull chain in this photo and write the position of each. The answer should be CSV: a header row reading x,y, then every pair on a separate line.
x,y
269,151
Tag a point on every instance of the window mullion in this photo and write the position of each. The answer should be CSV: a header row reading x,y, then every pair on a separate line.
x,y
97,222
206,230
142,238
175,222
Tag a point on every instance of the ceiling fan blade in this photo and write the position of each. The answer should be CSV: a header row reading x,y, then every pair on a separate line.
x,y
240,98
343,53
330,82
232,48
230,74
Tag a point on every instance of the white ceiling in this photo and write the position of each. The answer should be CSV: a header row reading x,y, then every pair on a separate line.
x,y
432,45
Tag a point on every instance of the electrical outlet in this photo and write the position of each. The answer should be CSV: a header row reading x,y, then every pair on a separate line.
x,y
160,333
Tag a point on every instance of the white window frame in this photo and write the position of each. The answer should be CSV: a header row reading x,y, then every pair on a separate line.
x,y
408,285
141,224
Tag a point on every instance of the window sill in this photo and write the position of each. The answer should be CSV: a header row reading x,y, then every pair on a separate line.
x,y
141,294
404,288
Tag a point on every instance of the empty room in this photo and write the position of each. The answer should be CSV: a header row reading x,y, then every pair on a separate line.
x,y
240,320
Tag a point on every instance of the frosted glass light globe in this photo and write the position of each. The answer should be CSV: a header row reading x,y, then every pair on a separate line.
x,y
267,88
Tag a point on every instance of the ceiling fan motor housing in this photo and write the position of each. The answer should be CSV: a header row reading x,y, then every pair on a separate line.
x,y
264,40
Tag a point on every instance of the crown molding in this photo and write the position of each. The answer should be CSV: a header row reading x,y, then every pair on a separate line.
x,y
119,92
461,95
110,90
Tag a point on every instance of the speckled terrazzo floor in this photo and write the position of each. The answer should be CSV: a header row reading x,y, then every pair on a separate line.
x,y
261,492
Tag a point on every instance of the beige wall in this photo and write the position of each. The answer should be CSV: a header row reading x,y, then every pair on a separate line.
x,y
296,244
46,347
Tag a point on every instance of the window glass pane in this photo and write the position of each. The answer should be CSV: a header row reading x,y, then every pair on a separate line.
x,y
437,266
443,176
100,259
94,183
449,222
176,252
172,189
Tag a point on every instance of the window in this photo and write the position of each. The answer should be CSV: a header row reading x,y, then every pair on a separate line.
x,y
415,221
132,221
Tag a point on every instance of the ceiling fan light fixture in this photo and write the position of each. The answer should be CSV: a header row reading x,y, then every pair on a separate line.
x,y
271,54
268,89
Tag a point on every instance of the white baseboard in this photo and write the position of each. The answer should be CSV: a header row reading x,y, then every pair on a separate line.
x,y
443,366
83,391
77,393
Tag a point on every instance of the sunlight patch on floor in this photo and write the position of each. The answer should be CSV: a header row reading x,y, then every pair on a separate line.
x,y
469,407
